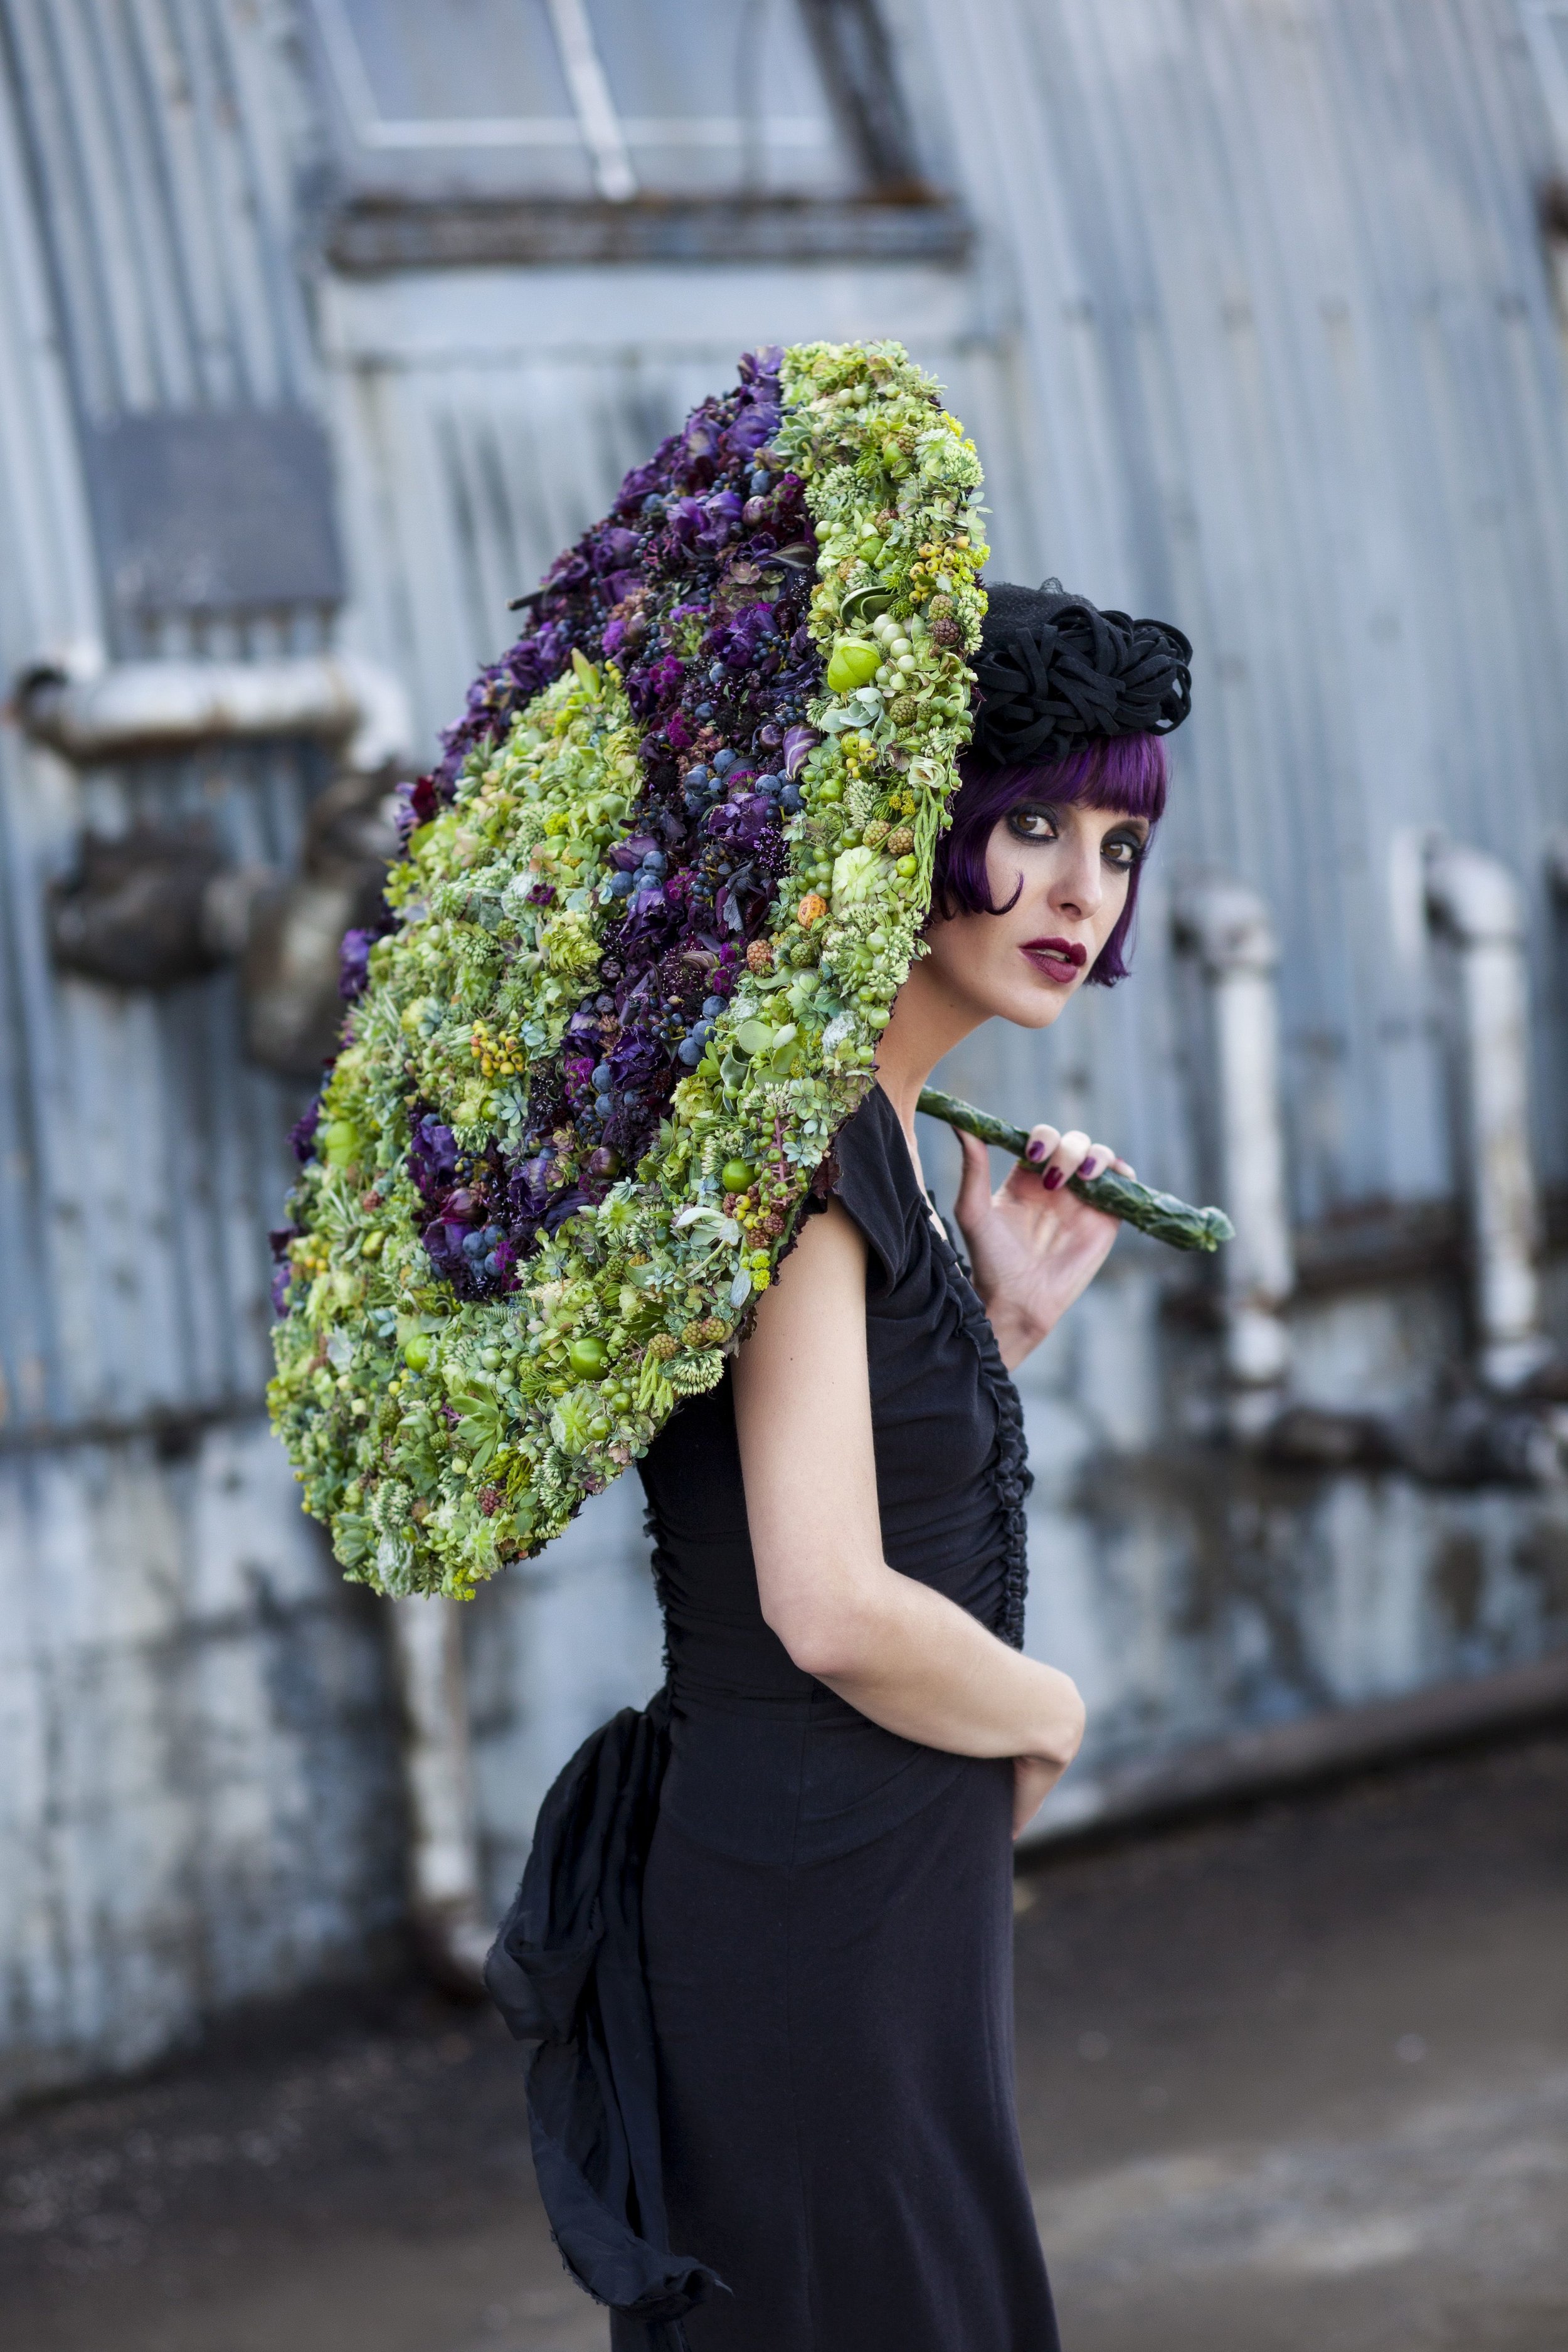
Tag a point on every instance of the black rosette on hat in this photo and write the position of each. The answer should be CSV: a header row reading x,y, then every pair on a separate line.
x,y
1053,672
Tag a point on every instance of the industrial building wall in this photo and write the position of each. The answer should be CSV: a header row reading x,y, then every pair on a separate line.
x,y
1259,333
199,1796
1256,329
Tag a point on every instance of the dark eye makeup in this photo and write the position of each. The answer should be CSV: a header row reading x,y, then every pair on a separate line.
x,y
1123,846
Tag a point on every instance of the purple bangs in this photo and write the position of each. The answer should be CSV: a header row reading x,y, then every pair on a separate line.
x,y
1123,773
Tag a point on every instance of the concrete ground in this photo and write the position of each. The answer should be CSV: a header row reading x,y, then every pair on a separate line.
x,y
1294,2078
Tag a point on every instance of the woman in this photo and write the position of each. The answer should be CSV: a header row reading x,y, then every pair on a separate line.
x,y
855,1731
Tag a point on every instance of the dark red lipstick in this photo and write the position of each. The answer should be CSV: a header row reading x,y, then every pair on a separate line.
x,y
1057,959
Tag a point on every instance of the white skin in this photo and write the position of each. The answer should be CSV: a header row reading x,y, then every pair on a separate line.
x,y
899,1652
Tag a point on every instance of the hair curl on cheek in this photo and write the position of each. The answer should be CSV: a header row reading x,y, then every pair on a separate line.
x,y
1124,774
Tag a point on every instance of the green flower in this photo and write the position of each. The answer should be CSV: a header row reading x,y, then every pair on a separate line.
x,y
570,950
858,874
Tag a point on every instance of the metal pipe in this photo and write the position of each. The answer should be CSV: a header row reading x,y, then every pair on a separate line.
x,y
443,1847
129,709
1478,905
1229,928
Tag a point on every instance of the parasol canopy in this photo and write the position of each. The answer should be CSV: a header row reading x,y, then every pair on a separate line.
x,y
652,911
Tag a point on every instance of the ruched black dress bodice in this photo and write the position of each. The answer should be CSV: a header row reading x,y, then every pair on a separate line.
x,y
827,1909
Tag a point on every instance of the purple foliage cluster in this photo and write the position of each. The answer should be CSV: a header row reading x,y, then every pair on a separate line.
x,y
710,541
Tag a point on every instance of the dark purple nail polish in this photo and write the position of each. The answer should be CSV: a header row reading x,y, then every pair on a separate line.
x,y
1089,1167
1036,1150
1053,1177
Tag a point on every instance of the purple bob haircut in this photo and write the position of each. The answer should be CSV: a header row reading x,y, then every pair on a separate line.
x,y
1124,772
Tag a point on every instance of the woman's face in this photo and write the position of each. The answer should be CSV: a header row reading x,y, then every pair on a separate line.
x,y
1070,867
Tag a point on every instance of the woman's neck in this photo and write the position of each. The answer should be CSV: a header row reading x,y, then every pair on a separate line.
x,y
928,1021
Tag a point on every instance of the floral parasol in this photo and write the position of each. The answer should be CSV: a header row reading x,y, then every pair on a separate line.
x,y
654,906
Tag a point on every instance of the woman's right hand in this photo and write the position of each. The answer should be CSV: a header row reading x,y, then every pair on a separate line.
x,y
1034,1778
1034,1245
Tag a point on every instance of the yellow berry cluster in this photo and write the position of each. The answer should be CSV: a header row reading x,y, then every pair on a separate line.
x,y
952,557
503,1056
308,1256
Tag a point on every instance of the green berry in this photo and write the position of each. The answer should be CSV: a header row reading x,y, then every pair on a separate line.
x,y
737,1175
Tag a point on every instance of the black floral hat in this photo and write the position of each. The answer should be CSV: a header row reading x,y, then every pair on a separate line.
x,y
1055,672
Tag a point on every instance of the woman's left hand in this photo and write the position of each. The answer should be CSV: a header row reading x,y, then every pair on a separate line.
x,y
1034,1246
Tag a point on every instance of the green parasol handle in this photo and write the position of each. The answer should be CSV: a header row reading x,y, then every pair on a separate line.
x,y
1159,1213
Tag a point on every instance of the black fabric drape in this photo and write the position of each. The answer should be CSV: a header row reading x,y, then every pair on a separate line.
x,y
567,1973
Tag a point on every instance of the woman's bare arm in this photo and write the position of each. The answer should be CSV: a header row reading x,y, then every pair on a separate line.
x,y
902,1654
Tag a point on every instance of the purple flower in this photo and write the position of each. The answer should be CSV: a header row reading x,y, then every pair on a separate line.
x,y
433,1157
644,480
442,1240
754,428
354,964
638,1061
571,570
722,519
302,1134
563,1204
687,517
798,743
626,855
614,551
646,689
417,804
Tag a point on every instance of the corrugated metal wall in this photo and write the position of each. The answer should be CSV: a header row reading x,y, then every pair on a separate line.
x,y
196,1743
1258,334
1297,378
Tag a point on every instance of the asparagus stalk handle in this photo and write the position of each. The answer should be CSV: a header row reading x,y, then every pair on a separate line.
x,y
1159,1213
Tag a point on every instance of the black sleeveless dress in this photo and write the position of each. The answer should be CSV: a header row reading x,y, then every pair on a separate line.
x,y
826,1909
